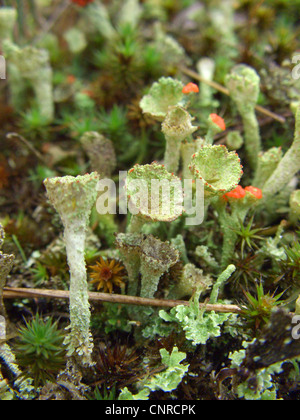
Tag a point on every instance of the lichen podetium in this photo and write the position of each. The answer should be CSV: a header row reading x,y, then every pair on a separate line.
x,y
73,199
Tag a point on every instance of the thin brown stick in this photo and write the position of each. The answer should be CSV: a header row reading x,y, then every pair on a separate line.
x,y
28,144
13,293
48,25
224,90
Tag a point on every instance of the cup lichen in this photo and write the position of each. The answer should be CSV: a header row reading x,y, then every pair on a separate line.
x,y
73,199
219,169
6,262
31,64
162,94
154,194
287,167
177,126
244,86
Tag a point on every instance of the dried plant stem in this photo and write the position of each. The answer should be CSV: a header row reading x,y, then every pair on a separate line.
x,y
224,90
48,25
13,293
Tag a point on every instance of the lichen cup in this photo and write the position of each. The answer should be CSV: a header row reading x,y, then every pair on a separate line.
x,y
219,169
164,93
73,199
154,194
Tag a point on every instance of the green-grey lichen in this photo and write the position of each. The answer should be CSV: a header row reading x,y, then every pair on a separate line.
x,y
206,69
178,243
219,169
101,153
171,52
244,85
167,381
147,256
129,246
265,388
73,199
22,387
297,310
170,378
154,194
162,94
203,252
188,149
8,18
192,279
219,283
6,394
231,221
32,64
6,262
76,40
295,206
267,163
287,167
177,126
98,19
234,140
130,13
213,130
157,258
199,326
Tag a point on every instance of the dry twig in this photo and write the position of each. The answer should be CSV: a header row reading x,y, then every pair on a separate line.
x,y
13,293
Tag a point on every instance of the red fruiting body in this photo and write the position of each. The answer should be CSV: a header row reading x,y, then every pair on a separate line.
x,y
189,88
255,191
219,121
237,193
71,79
82,3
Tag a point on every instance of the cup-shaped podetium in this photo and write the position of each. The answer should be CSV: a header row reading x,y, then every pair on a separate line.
x,y
33,64
162,94
73,199
157,258
244,85
219,169
8,18
154,194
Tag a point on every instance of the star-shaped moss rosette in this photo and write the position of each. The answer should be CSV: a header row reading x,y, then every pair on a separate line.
x,y
177,126
73,199
244,86
219,169
147,201
162,94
